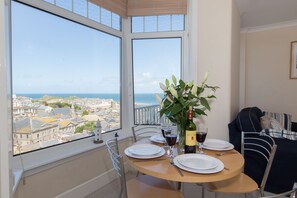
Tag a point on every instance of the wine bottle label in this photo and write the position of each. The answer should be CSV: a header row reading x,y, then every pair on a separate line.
x,y
190,138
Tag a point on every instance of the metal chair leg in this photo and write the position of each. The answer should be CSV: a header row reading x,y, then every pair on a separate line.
x,y
202,190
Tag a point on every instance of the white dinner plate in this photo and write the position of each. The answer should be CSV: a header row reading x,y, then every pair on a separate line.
x,y
218,168
217,145
200,162
129,154
144,149
158,138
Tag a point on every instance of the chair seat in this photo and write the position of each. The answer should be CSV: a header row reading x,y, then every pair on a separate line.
x,y
145,186
238,184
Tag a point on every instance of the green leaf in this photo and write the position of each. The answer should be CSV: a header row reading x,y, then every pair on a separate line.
x,y
204,102
211,96
199,112
182,84
175,109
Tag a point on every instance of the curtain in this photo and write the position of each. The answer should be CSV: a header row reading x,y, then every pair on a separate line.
x,y
143,7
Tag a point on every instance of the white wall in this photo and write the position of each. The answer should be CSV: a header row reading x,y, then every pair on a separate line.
x,y
218,52
5,121
267,64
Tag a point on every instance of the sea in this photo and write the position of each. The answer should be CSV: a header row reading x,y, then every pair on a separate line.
x,y
144,98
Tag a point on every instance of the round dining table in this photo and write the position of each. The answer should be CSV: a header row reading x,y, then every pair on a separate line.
x,y
162,168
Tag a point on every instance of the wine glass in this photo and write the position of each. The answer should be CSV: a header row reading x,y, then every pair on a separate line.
x,y
201,133
171,140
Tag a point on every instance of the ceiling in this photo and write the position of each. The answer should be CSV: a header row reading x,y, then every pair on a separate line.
x,y
264,12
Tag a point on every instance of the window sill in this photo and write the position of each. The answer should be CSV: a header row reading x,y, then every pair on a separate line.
x,y
40,160
17,176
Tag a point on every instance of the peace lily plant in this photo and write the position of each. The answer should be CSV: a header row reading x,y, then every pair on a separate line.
x,y
178,96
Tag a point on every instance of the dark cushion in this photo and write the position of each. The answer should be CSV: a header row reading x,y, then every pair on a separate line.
x,y
248,120
294,126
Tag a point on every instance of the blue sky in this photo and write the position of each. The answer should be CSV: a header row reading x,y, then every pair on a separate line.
x,y
54,55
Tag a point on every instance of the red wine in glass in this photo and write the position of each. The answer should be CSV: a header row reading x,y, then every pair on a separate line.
x,y
171,140
200,136
165,131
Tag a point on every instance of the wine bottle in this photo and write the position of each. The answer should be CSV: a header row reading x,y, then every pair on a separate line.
x,y
190,133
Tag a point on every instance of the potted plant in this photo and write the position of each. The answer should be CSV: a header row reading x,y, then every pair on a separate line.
x,y
178,96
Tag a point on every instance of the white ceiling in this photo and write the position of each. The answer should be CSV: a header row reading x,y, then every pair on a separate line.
x,y
264,12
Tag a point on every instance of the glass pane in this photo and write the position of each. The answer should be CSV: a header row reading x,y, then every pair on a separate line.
x,y
149,70
80,7
105,17
116,21
137,24
93,12
164,23
66,4
65,77
178,22
150,23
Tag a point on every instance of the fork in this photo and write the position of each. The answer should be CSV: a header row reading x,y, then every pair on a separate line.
x,y
177,168
223,153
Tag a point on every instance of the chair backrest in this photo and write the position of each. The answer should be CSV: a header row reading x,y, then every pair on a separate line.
x,y
118,164
144,131
258,150
292,193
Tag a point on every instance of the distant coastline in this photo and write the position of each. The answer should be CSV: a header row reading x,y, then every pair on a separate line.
x,y
145,98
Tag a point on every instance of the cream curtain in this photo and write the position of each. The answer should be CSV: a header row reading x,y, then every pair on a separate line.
x,y
116,6
143,7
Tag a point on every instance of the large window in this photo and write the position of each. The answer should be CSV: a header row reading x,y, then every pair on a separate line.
x,y
154,60
65,77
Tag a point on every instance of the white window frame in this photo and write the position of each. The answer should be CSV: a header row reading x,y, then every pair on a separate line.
x,y
40,160
155,35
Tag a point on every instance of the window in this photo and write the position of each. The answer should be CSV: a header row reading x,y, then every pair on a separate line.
x,y
161,23
65,77
154,60
91,11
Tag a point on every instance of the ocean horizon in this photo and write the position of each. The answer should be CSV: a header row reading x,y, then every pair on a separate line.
x,y
144,98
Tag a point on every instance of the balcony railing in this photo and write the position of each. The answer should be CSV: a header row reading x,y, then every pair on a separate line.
x,y
148,115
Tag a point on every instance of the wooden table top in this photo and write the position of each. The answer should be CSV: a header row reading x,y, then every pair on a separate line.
x,y
161,168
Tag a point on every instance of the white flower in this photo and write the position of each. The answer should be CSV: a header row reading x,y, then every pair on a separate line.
x,y
174,79
194,90
173,92
159,99
163,87
205,78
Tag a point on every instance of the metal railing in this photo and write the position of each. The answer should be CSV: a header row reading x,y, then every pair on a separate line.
x,y
148,115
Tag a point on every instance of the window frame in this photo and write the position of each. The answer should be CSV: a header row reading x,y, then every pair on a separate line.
x,y
157,35
40,160
50,156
